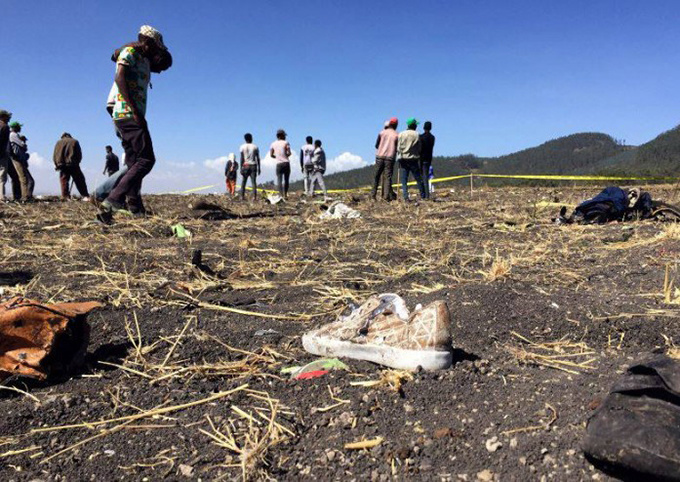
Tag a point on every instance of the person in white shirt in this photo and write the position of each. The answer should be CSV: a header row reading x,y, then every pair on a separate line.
x,y
250,165
318,168
306,153
280,151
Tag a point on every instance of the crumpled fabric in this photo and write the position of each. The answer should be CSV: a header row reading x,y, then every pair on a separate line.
x,y
38,339
340,210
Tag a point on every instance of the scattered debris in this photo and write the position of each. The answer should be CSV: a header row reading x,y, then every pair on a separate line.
x,y
179,231
267,332
383,331
314,369
37,340
634,431
274,199
340,210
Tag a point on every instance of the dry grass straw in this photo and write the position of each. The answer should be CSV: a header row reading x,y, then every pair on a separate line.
x,y
564,355
250,436
671,292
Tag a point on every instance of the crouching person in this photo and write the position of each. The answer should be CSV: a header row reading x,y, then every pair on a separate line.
x,y
318,168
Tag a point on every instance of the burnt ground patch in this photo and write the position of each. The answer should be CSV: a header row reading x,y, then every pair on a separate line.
x,y
184,364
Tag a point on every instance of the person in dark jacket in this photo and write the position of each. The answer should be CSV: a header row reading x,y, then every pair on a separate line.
x,y
67,156
6,166
426,149
230,172
112,162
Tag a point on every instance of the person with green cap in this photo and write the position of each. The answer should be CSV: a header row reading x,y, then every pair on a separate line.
x,y
408,148
18,154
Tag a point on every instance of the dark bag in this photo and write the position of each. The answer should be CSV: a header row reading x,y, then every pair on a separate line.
x,y
635,433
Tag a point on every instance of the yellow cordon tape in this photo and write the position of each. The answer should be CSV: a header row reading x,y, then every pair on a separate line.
x,y
535,177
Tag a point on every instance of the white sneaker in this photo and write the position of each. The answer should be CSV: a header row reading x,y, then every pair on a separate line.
x,y
382,331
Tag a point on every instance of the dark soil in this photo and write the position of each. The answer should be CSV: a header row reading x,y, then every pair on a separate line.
x,y
497,260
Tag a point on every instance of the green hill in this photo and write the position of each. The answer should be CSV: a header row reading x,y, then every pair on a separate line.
x,y
583,153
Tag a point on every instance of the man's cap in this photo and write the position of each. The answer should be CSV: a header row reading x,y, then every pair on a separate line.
x,y
411,121
387,123
153,34
427,125
281,132
65,134
231,156
394,121
5,113
16,124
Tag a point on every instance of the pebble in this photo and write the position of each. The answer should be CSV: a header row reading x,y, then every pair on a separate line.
x,y
186,470
485,475
493,444
109,453
513,443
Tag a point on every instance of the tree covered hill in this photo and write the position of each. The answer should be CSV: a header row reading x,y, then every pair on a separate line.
x,y
583,153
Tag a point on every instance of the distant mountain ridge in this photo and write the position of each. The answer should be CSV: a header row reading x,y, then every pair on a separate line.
x,y
582,153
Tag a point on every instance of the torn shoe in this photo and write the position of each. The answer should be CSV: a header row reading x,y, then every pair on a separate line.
x,y
383,331
37,340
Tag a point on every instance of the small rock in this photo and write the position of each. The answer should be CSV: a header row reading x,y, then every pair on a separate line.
x,y
513,443
408,408
330,455
493,444
345,419
443,432
186,470
109,453
485,475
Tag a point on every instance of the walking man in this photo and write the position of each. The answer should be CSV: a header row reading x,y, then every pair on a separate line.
x,y
6,165
250,165
386,152
134,64
18,153
67,156
426,149
280,151
318,168
306,153
408,148
112,163
230,172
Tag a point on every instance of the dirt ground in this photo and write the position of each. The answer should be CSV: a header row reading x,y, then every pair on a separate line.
x,y
180,383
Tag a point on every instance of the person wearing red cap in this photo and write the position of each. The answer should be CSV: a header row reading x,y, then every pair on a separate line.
x,y
385,155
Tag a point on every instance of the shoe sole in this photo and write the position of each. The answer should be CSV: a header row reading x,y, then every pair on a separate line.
x,y
392,357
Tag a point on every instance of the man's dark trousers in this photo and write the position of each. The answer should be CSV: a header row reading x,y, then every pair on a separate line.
x,y
407,166
65,175
139,158
383,165
249,172
425,172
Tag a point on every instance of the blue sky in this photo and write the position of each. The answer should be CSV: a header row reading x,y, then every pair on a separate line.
x,y
493,76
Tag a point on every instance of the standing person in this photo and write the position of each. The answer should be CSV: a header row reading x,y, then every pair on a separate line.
x,y
67,156
6,165
318,168
250,164
409,156
134,64
385,155
230,172
112,164
18,154
280,151
306,153
426,149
